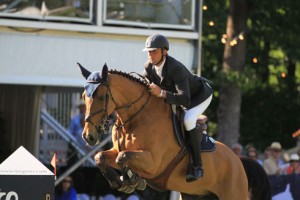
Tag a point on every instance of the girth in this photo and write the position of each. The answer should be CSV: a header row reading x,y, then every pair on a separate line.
x,y
160,182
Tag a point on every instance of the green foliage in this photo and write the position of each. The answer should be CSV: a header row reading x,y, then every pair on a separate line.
x,y
268,115
270,106
245,80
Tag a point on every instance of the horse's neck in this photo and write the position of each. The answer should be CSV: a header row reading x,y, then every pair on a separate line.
x,y
141,105
128,95
147,113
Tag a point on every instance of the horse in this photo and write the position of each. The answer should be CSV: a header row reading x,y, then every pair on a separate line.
x,y
145,150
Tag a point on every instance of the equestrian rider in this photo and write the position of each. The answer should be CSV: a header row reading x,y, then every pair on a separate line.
x,y
172,81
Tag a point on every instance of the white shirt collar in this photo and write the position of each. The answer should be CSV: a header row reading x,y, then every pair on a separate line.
x,y
159,68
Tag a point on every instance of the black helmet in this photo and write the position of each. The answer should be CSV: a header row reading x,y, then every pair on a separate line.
x,y
156,41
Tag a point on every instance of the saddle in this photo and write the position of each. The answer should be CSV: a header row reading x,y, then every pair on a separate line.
x,y
207,145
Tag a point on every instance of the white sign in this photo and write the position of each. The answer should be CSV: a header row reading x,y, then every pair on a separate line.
x,y
21,162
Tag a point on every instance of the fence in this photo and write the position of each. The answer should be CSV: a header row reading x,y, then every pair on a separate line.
x,y
280,184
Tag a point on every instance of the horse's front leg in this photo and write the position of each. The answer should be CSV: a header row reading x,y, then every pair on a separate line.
x,y
142,164
140,161
105,160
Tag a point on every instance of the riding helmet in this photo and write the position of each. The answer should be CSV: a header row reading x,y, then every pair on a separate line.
x,y
156,41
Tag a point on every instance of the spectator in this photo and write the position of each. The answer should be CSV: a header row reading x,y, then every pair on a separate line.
x,y
252,153
272,164
294,165
250,147
77,124
237,149
65,190
267,153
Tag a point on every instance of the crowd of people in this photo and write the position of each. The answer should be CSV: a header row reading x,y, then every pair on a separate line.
x,y
273,160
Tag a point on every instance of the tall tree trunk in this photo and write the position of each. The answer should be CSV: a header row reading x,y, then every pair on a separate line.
x,y
233,62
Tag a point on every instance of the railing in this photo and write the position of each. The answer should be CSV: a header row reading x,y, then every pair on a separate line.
x,y
58,106
82,160
63,133
61,104
59,129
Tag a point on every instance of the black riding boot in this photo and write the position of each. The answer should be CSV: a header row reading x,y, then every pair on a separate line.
x,y
195,172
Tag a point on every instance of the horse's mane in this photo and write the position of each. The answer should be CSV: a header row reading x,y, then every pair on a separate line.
x,y
130,77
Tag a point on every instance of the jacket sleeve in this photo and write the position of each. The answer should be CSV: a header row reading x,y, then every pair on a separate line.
x,y
182,95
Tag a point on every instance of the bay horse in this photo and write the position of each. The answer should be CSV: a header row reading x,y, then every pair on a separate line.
x,y
145,150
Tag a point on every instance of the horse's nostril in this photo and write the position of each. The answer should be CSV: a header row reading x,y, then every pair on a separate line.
x,y
90,138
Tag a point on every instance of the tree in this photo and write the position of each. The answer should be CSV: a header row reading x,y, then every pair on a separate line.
x,y
233,66
268,83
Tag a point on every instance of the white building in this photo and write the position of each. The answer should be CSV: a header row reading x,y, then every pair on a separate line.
x,y
41,42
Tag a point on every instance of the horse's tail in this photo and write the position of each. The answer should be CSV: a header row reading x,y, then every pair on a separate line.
x,y
258,182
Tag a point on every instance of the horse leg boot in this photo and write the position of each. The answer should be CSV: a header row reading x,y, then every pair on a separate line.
x,y
195,172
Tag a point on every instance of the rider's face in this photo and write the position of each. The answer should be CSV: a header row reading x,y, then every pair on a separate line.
x,y
155,56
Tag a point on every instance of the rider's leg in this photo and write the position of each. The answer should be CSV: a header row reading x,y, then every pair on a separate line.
x,y
194,138
195,170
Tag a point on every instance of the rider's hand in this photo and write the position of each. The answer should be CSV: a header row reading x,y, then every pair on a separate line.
x,y
154,89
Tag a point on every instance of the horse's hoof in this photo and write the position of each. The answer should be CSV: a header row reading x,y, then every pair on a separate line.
x,y
126,189
142,184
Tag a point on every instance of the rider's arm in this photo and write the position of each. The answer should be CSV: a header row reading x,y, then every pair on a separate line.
x,y
181,84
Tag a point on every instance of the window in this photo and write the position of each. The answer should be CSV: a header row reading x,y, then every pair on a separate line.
x,y
56,10
172,14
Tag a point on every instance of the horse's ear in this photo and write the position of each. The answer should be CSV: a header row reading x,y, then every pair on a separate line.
x,y
104,74
84,71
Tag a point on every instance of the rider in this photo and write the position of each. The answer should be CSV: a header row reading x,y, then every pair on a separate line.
x,y
172,81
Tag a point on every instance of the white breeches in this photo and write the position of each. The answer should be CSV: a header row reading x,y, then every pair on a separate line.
x,y
192,114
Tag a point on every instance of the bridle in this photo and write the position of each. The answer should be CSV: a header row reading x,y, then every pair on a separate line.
x,y
104,125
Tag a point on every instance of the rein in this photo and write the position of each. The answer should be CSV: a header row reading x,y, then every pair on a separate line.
x,y
130,106
131,117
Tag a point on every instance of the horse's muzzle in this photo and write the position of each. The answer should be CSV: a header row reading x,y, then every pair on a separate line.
x,y
90,139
